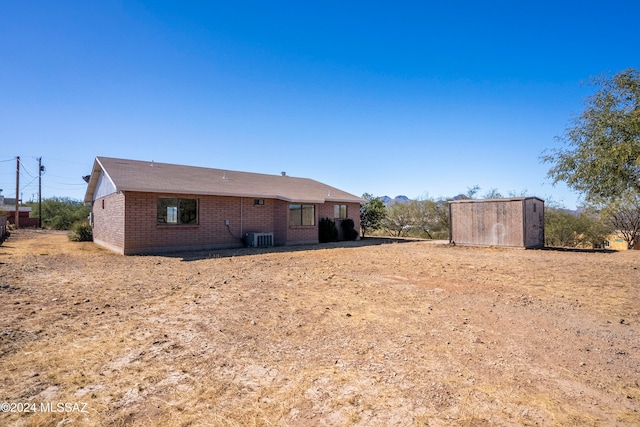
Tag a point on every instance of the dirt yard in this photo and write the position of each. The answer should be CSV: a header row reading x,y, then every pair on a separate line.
x,y
369,333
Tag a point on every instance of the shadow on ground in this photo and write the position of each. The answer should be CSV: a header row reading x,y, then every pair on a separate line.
x,y
235,252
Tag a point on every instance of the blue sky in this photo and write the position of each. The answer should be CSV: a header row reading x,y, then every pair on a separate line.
x,y
414,98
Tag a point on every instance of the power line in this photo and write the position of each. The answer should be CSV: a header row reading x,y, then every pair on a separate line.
x,y
24,187
26,170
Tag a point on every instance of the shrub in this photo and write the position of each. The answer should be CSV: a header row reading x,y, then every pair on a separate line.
x,y
348,229
327,231
81,231
60,213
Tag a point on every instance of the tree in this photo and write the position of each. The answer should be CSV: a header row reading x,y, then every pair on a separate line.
x,y
602,157
472,191
399,219
565,228
623,214
430,217
493,193
596,229
371,213
559,227
59,213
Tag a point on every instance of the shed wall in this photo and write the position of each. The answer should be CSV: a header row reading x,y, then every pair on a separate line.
x,y
490,223
516,223
534,223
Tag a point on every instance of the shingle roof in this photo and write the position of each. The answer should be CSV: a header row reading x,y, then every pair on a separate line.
x,y
153,177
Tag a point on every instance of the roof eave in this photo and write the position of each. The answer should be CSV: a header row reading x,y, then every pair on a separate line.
x,y
248,195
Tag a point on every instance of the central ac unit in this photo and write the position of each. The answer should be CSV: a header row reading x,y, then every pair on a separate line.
x,y
259,240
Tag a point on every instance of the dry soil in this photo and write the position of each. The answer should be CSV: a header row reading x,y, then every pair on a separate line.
x,y
369,333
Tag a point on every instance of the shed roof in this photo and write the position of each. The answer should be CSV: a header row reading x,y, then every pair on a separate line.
x,y
154,177
506,199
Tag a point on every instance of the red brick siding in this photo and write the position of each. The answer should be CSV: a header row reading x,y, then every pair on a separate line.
x,y
108,221
309,234
353,212
280,222
144,235
301,234
258,218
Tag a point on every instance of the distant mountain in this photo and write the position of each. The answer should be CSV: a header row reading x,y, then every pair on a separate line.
x,y
398,199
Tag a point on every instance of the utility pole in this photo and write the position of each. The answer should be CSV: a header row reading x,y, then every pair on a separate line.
x,y
17,217
40,169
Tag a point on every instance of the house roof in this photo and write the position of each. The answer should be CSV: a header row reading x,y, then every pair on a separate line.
x,y
154,177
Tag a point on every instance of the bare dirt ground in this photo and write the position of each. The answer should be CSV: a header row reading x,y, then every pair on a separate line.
x,y
354,334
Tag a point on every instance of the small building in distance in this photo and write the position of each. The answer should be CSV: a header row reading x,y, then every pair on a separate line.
x,y
8,209
617,242
513,222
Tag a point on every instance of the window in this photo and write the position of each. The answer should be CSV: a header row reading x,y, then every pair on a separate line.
x,y
258,202
302,215
177,211
340,211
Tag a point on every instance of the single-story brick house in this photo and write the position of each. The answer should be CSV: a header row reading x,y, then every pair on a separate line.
x,y
141,207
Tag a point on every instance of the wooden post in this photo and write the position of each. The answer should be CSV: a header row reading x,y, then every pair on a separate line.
x,y
40,168
17,217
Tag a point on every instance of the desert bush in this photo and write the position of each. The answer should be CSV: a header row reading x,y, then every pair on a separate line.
x,y
566,228
327,231
60,213
81,231
349,229
372,214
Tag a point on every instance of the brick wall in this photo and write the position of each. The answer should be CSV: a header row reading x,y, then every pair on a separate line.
x,y
280,221
309,234
259,218
144,235
108,221
353,212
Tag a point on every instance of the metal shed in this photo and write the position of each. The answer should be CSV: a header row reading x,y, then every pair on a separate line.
x,y
515,222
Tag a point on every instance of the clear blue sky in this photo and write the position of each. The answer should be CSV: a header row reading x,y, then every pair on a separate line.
x,y
388,98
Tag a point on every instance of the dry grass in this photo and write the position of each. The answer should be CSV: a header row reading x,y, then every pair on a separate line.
x,y
350,335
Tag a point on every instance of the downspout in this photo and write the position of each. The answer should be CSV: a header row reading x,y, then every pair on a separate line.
x,y
241,234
